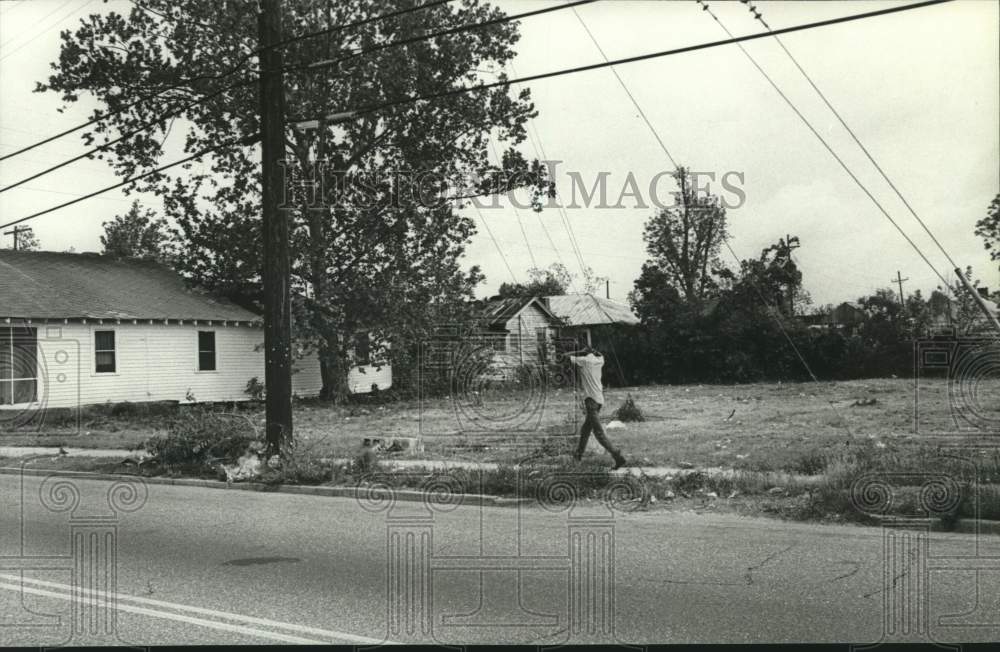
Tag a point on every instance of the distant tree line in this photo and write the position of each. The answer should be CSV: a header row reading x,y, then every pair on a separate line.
x,y
705,322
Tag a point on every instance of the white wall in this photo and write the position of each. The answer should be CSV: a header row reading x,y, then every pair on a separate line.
x,y
155,362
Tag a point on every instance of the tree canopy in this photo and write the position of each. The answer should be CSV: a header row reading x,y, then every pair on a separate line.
x,y
554,280
377,241
683,240
136,234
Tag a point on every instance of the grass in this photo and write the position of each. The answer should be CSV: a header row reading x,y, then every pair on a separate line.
x,y
763,426
810,440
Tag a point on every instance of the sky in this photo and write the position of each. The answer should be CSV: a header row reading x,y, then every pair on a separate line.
x,y
921,89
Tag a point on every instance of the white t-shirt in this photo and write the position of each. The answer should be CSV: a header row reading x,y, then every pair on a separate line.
x,y
590,375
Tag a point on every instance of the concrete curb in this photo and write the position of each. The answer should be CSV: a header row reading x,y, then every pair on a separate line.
x,y
405,495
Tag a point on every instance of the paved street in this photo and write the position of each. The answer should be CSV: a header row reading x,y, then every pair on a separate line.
x,y
208,566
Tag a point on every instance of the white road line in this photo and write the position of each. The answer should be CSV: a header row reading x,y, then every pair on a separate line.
x,y
251,620
284,638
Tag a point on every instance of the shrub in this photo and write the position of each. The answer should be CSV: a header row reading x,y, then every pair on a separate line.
x,y
198,439
254,389
629,411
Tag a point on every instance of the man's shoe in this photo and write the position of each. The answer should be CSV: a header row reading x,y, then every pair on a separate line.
x,y
619,463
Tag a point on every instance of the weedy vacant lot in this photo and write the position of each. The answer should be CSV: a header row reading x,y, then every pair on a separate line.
x,y
764,426
797,450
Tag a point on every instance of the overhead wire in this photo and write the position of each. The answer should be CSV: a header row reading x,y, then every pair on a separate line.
x,y
851,132
517,214
822,140
231,71
577,69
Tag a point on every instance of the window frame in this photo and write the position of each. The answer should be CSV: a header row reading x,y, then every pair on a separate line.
x,y
198,352
104,329
11,330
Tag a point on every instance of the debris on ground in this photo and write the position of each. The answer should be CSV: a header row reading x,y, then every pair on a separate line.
x,y
247,467
685,465
616,425
864,402
774,491
629,411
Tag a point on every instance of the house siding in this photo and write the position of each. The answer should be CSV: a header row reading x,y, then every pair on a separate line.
x,y
154,362
522,339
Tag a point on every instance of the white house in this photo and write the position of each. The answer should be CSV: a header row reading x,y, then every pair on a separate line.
x,y
82,329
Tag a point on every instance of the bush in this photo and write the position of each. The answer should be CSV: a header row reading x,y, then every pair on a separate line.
x,y
629,411
198,439
254,389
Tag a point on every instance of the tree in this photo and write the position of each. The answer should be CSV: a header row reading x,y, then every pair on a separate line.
x,y
988,228
136,234
543,282
683,240
377,240
25,239
772,281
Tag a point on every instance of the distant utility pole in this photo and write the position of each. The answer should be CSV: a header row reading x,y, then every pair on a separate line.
x,y
789,240
17,230
607,288
277,266
899,279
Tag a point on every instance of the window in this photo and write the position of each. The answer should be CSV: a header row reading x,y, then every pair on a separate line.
x,y
105,361
362,349
18,365
499,343
206,350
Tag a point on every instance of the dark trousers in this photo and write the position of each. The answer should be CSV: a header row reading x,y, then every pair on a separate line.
x,y
592,422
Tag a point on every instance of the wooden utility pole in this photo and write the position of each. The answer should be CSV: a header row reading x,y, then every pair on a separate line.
x,y
607,288
277,266
899,279
17,230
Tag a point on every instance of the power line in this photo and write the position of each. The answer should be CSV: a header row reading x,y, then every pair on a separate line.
x,y
633,59
541,221
568,71
236,68
517,214
445,32
625,88
242,141
820,137
35,35
850,131
725,239
205,98
134,132
496,244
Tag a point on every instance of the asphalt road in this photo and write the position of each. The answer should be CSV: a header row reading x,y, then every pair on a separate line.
x,y
193,565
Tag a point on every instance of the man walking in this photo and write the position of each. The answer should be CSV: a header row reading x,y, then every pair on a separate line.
x,y
591,363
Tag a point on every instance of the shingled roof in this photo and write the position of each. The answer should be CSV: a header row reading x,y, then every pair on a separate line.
x,y
588,310
499,311
50,285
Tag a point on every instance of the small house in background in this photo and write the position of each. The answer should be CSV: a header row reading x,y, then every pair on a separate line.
x,y
847,316
520,329
582,315
83,329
